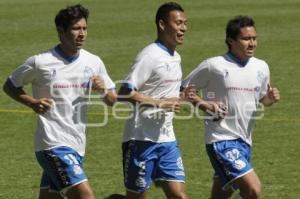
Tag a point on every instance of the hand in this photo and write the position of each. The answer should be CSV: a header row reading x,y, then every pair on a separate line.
x,y
218,111
189,93
98,84
170,104
42,105
273,94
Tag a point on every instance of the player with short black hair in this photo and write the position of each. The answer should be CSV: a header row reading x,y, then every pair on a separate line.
x,y
150,150
62,79
233,84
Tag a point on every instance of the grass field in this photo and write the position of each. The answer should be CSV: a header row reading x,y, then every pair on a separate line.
x,y
117,31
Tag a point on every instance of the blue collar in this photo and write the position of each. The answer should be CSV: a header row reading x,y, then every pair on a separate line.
x,y
63,55
236,60
165,48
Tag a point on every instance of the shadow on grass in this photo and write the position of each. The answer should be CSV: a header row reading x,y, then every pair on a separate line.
x,y
115,196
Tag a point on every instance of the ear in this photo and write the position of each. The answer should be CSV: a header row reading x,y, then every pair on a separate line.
x,y
161,24
229,40
59,29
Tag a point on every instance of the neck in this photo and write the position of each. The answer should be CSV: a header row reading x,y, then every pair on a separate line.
x,y
165,46
67,52
164,39
238,59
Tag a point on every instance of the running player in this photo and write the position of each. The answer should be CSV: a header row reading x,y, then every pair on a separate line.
x,y
150,150
233,85
62,79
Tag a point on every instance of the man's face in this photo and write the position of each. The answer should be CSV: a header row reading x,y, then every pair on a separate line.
x,y
73,38
245,44
175,28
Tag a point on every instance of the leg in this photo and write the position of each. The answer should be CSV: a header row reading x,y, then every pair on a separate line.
x,y
249,186
132,195
217,192
173,190
46,194
138,165
63,172
80,191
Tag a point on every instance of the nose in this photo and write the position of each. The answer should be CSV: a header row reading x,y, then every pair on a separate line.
x,y
183,27
252,42
82,32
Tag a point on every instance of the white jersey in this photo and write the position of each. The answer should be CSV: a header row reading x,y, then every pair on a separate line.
x,y
156,73
222,78
66,82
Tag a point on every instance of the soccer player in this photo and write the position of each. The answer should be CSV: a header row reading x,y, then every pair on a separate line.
x,y
233,85
150,150
62,79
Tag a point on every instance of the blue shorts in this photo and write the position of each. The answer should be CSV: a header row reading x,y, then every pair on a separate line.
x,y
62,168
230,160
145,161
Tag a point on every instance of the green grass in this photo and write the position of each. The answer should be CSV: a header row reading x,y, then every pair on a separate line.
x,y
117,31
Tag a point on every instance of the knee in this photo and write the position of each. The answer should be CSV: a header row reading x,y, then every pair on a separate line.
x,y
252,193
88,193
181,195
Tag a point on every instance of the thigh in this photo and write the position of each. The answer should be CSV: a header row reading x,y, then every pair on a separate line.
x,y
170,166
62,168
217,192
48,194
230,160
138,165
80,191
249,184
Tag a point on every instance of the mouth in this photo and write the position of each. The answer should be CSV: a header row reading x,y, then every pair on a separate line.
x,y
180,36
79,42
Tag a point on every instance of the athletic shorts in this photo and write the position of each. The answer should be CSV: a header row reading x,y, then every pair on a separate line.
x,y
62,168
145,162
230,160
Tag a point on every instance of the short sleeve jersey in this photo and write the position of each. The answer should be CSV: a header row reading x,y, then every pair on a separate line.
x,y
156,73
240,87
66,82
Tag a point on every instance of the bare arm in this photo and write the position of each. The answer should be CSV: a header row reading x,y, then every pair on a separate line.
x,y
169,104
98,85
272,96
39,106
215,109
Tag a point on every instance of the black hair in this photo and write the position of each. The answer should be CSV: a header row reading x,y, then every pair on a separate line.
x,y
71,14
234,25
164,10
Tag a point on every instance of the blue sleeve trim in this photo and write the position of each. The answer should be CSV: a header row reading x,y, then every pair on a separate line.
x,y
129,86
10,84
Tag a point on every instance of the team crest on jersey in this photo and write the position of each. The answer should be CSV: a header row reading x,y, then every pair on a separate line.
x,y
77,170
87,73
260,76
239,164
